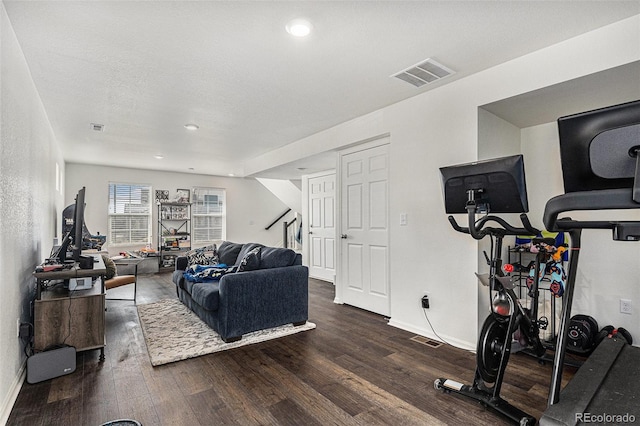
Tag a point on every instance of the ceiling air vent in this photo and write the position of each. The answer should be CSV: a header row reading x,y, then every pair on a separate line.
x,y
423,73
97,127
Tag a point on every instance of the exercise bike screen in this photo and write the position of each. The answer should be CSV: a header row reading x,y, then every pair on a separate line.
x,y
499,183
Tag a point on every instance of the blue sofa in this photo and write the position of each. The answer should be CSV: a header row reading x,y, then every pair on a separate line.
x,y
273,292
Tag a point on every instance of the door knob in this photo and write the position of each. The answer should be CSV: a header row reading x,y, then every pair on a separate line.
x,y
310,232
343,236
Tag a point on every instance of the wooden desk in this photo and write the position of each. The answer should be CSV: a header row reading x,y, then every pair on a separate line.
x,y
74,318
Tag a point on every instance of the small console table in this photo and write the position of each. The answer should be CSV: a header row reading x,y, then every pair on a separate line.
x,y
70,317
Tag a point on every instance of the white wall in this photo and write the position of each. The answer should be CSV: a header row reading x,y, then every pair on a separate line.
x,y
428,254
29,203
250,206
438,128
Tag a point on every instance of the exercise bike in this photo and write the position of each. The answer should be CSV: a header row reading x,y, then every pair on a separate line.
x,y
507,317
495,186
601,171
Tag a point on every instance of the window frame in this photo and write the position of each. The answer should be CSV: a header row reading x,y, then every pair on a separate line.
x,y
113,214
199,211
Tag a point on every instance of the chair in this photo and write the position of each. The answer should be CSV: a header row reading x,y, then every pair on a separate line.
x,y
121,280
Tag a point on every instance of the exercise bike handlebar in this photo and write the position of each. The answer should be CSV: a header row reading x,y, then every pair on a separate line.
x,y
478,229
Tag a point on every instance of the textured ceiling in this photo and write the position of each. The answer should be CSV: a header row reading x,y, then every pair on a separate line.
x,y
145,68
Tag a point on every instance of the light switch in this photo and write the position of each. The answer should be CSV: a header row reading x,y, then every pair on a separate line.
x,y
403,219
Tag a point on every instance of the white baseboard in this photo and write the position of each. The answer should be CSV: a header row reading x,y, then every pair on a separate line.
x,y
469,346
12,395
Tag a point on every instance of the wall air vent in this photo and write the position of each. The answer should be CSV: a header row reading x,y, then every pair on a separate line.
x,y
423,73
97,127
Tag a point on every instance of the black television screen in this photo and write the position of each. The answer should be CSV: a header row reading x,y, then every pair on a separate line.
x,y
596,148
498,186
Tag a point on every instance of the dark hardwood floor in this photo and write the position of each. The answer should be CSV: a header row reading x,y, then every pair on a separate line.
x,y
353,369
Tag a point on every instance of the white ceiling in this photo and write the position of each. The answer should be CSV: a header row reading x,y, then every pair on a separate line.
x,y
145,68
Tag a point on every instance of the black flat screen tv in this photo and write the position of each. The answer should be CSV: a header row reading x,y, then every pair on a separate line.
x,y
496,186
599,148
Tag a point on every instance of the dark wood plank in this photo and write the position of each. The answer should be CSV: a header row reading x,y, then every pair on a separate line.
x,y
353,369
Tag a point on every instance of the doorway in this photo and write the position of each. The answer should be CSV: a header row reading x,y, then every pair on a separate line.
x,y
321,190
363,270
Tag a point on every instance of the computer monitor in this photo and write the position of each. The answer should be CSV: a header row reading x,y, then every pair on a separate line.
x,y
72,241
599,149
78,225
496,186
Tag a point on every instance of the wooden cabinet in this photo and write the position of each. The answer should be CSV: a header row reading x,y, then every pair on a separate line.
x,y
72,318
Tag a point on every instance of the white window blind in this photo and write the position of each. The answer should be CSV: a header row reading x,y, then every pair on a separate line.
x,y
208,214
129,213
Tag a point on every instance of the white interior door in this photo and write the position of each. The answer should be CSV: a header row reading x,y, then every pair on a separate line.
x,y
322,226
364,226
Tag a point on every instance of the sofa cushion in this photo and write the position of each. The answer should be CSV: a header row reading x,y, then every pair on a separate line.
x,y
245,249
206,295
188,285
207,255
276,257
250,261
178,278
228,252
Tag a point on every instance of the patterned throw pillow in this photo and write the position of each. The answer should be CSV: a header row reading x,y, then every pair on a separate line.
x,y
250,261
203,256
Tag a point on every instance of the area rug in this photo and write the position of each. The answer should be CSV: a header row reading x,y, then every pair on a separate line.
x,y
173,332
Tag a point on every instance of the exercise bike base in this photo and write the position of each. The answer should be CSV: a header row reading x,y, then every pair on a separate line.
x,y
487,400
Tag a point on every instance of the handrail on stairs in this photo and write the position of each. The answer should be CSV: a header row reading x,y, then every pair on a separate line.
x,y
276,221
285,232
292,222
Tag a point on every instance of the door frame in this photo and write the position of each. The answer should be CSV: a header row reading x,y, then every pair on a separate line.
x,y
383,139
306,215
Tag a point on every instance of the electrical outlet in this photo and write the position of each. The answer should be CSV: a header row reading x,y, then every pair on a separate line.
x,y
626,307
25,331
425,301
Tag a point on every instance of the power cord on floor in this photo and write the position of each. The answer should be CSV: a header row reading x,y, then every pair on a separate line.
x,y
424,311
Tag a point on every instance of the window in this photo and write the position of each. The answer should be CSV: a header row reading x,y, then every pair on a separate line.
x,y
129,213
209,216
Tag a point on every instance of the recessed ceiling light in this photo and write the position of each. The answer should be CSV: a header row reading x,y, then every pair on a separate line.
x,y
191,126
299,27
158,156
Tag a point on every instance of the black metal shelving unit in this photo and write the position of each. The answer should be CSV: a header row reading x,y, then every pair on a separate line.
x,y
174,231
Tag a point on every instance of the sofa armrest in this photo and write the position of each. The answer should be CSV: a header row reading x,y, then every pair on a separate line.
x,y
181,263
263,298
